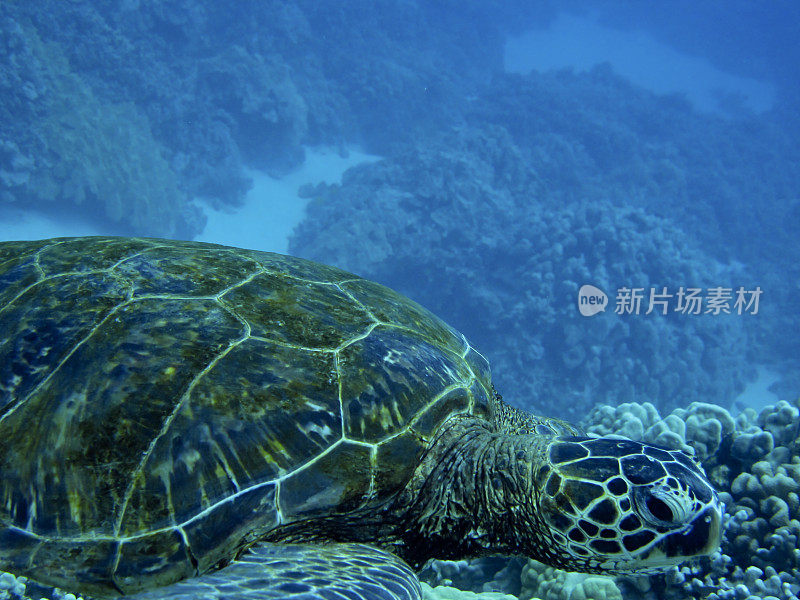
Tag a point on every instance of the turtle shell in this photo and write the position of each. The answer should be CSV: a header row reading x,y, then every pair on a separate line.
x,y
166,403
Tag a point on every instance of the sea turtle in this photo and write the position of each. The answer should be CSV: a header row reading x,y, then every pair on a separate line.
x,y
187,420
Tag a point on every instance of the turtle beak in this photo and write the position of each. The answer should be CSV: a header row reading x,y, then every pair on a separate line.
x,y
715,530
702,537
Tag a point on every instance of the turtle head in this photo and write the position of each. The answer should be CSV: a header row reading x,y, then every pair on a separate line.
x,y
619,506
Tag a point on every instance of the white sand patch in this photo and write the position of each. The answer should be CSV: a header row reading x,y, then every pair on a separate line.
x,y
273,208
582,43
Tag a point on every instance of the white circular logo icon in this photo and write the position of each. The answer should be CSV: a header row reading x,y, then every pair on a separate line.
x,y
591,300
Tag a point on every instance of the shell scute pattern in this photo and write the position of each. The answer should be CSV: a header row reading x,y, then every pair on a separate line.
x,y
213,534
390,459
190,415
57,257
389,307
478,365
288,266
233,432
389,371
16,275
43,322
451,402
21,251
99,422
298,313
275,404
164,550
168,271
340,478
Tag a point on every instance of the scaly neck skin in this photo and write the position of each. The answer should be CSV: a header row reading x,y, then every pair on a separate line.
x,y
472,495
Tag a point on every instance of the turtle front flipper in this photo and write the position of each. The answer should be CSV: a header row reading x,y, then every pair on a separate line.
x,y
301,572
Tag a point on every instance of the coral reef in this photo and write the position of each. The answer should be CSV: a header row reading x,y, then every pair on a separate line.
x,y
77,150
497,200
546,583
451,593
207,93
469,229
19,588
158,103
554,180
489,574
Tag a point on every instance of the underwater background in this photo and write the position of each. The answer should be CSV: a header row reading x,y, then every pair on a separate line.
x,y
487,160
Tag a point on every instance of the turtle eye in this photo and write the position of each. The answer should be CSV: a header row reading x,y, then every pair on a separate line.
x,y
659,507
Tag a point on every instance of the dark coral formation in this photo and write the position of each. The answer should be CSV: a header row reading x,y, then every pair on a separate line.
x,y
553,181
133,109
129,111
472,230
62,145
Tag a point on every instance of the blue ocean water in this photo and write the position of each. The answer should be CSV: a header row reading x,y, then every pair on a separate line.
x,y
603,197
